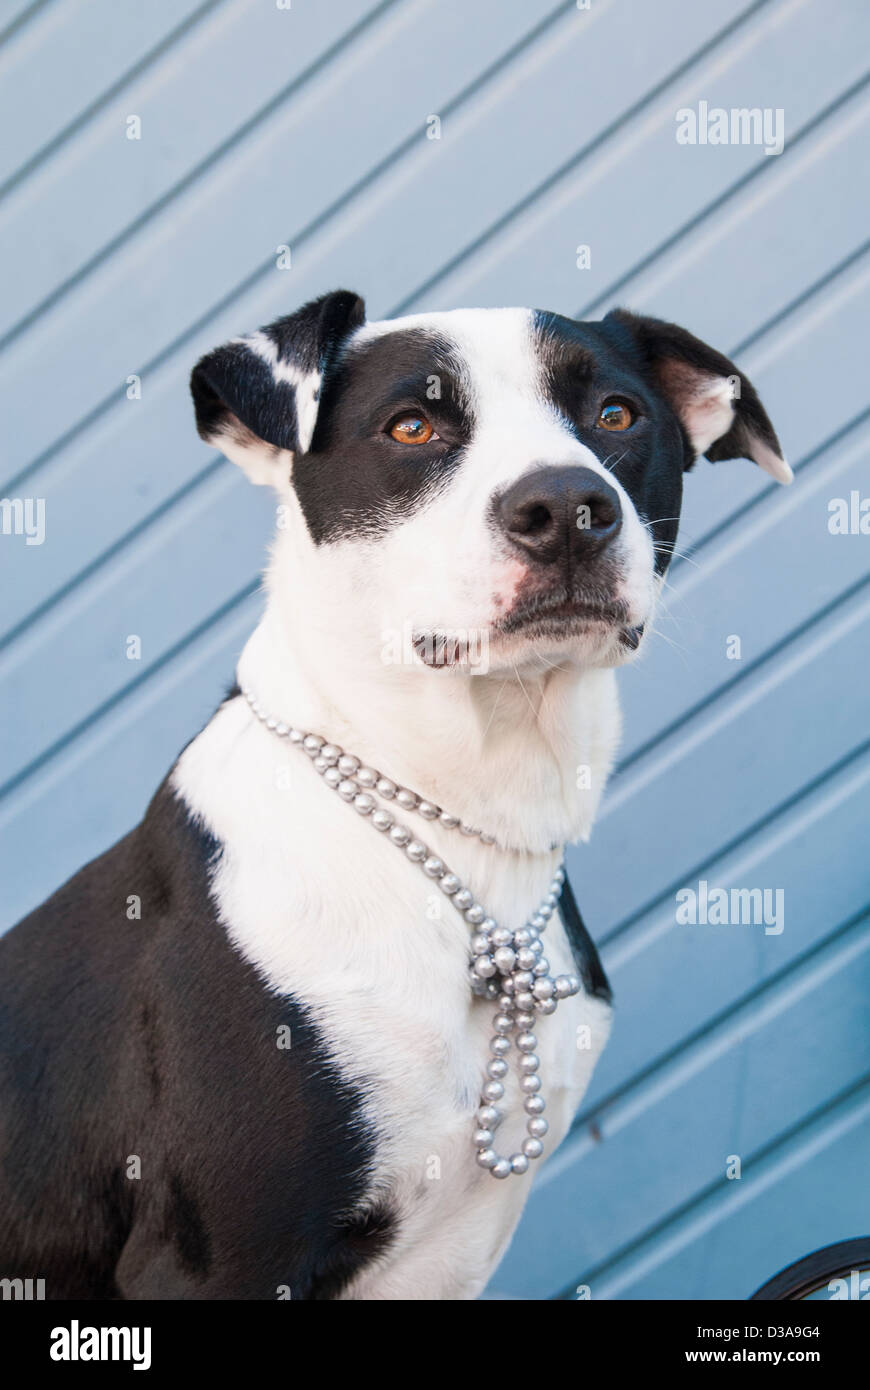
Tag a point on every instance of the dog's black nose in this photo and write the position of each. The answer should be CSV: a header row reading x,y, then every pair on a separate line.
x,y
556,514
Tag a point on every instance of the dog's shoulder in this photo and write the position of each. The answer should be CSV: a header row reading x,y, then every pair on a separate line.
x,y
133,1031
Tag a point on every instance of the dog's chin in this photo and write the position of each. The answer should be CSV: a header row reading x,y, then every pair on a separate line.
x,y
575,630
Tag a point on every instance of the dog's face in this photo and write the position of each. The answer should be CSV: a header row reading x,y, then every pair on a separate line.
x,y
498,479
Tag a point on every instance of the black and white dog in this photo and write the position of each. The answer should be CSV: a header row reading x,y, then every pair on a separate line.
x,y
266,1085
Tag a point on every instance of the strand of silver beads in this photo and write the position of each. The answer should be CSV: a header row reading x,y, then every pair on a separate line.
x,y
507,967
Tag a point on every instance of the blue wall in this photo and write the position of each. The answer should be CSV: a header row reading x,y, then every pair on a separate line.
x,y
307,127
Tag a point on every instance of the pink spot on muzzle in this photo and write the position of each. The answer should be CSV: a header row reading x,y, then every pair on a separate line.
x,y
513,574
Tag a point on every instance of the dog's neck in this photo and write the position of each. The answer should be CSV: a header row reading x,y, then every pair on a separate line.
x,y
522,756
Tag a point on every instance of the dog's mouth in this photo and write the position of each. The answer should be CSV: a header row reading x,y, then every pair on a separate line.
x,y
559,617
565,616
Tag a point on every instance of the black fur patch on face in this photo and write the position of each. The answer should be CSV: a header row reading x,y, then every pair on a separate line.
x,y
584,365
355,479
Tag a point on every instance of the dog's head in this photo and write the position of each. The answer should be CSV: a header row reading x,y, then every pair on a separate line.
x,y
505,472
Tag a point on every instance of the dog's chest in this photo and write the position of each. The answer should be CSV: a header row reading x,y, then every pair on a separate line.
x,y
332,914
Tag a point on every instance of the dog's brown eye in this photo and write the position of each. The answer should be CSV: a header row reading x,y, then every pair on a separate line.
x,y
615,416
412,429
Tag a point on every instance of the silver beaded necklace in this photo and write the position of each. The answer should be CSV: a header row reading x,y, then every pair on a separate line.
x,y
508,967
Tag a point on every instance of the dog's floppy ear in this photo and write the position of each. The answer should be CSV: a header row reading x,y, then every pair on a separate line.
x,y
717,405
256,398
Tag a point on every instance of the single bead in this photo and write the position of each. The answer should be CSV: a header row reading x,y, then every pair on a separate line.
x,y
296,736
474,915
522,938
464,899
501,1169
271,722
529,1063
399,835
486,839
320,764
562,986
386,788
527,1042
531,1084
498,1069
524,979
282,730
501,936
526,958
488,924
489,1116
547,1007
519,1163
428,810
312,745
484,967
504,958
406,799
532,1148
537,1127
347,789
367,777
448,821
480,944
500,1045
331,752
382,820
543,989
492,1090
347,764
364,803
525,1001
449,884
332,776
482,1138
502,1023
416,851
487,1158
538,921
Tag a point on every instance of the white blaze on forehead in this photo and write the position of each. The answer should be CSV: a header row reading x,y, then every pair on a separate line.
x,y
495,351
515,427
305,383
